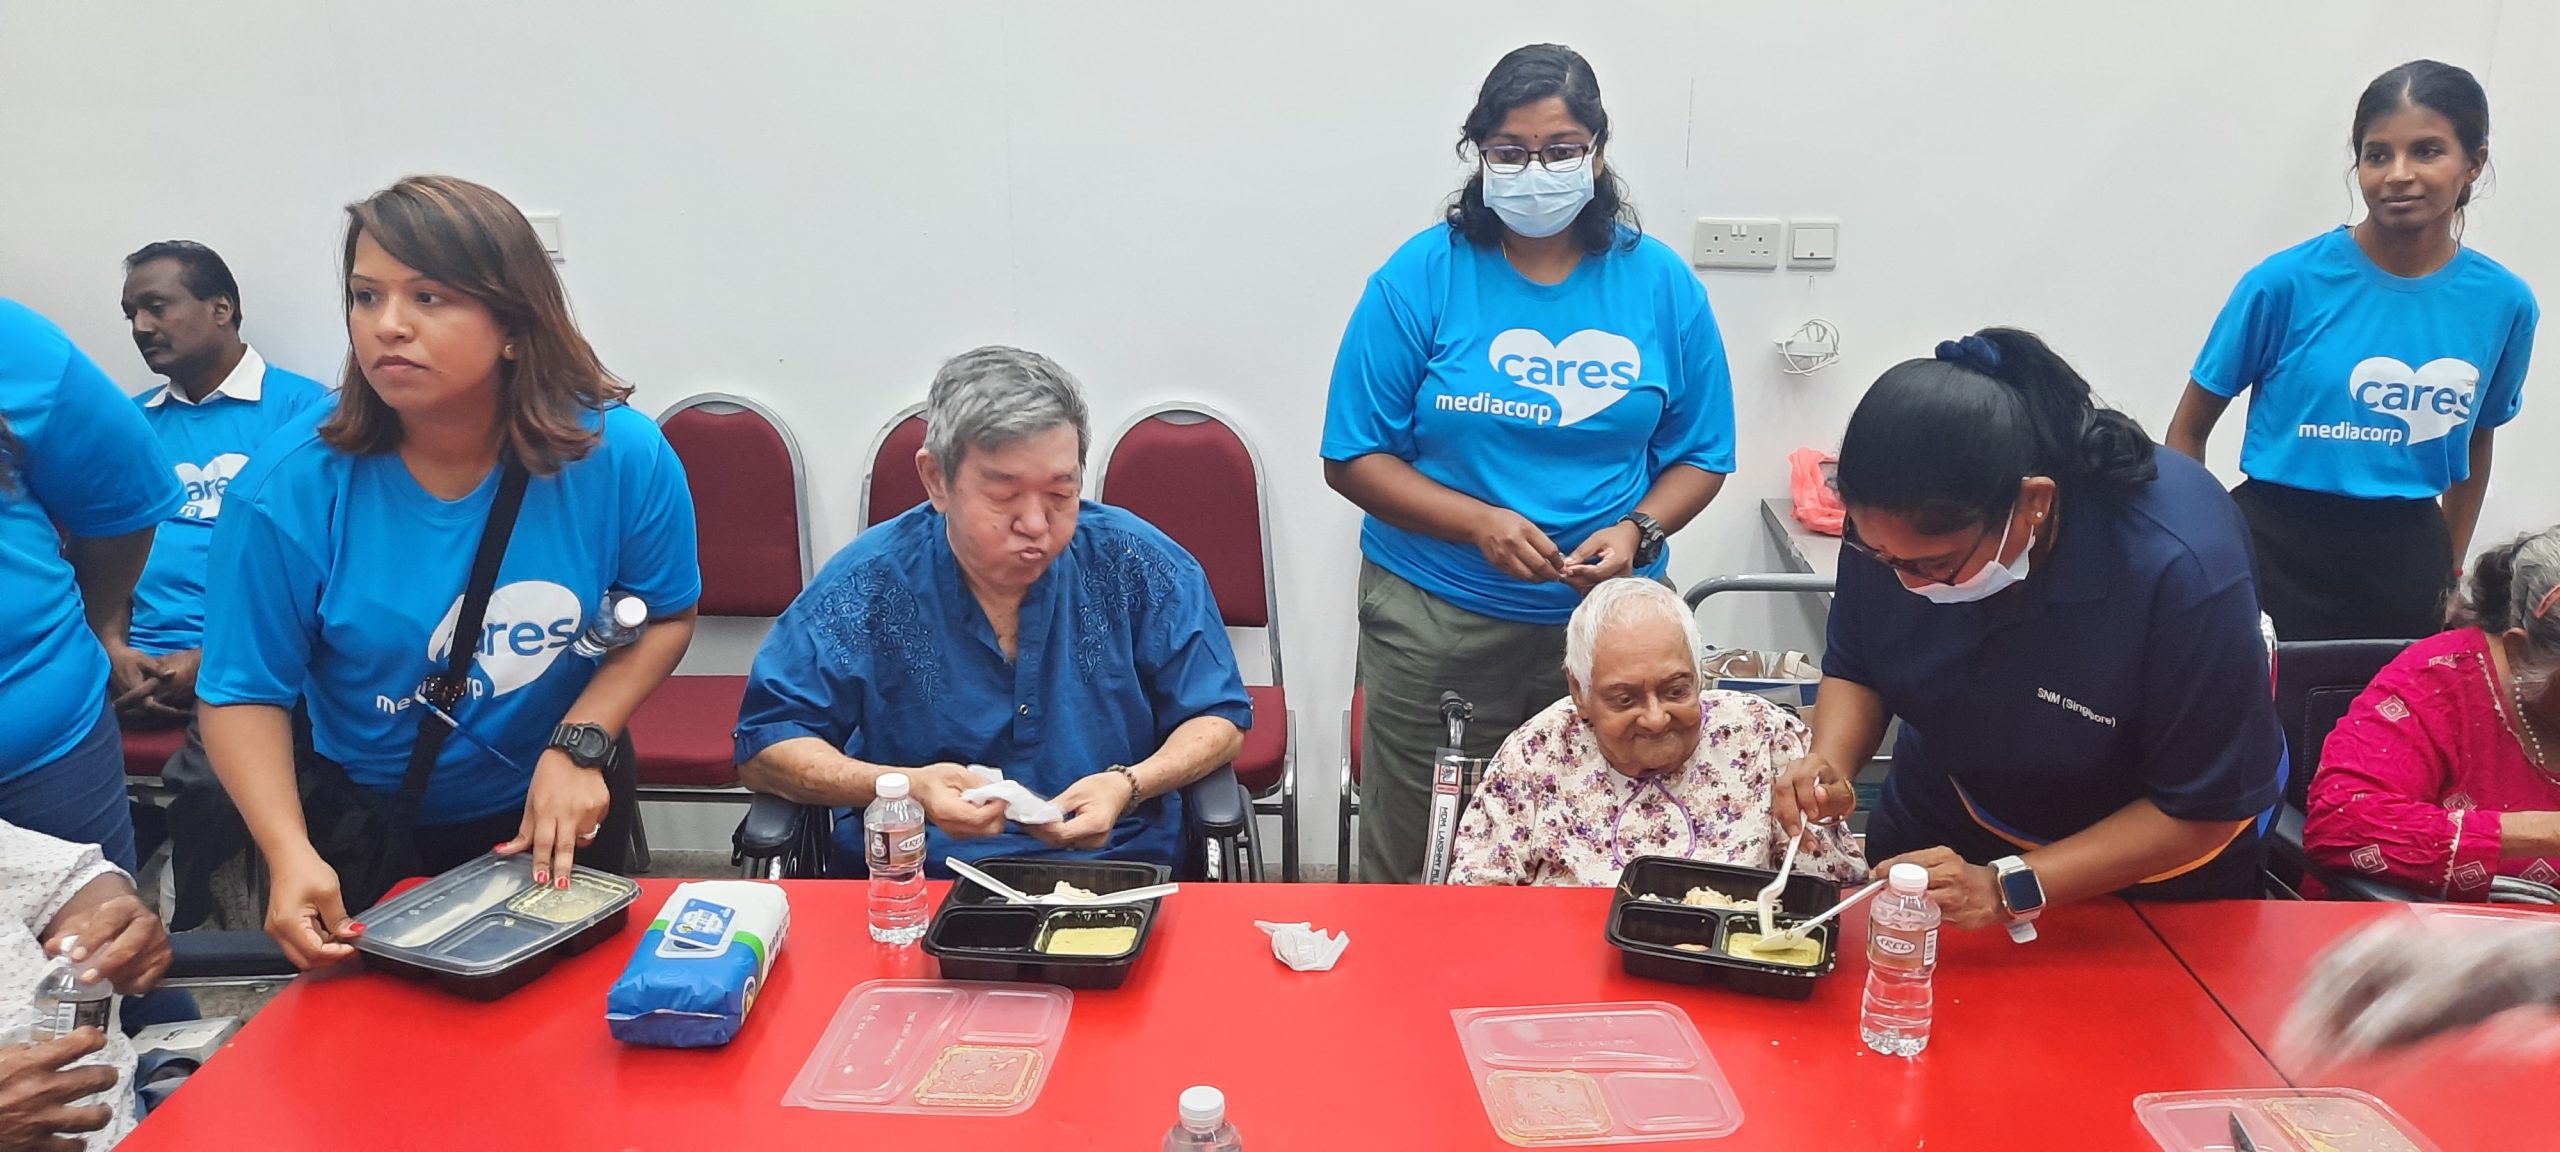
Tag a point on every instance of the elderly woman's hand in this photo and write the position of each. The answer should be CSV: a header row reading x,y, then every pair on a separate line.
x,y
1967,895
121,940
38,1082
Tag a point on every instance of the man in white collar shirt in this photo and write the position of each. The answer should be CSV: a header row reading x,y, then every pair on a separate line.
x,y
221,400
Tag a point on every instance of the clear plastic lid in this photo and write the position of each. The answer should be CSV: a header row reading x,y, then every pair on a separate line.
x,y
934,1047
488,915
1575,1074
891,786
2278,1120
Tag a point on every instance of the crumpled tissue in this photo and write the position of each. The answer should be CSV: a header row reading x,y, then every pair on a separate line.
x,y
1021,805
1302,947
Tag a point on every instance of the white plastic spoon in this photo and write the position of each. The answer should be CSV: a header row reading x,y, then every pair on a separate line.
x,y
1800,931
1770,891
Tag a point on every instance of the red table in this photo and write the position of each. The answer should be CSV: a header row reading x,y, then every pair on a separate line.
x,y
2039,1047
2252,957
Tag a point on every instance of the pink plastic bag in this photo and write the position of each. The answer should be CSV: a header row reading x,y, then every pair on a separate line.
x,y
1817,500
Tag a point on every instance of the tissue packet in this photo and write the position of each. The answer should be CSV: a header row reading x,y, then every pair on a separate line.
x,y
699,966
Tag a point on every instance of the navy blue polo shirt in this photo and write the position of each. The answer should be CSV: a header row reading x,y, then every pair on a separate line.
x,y
2128,664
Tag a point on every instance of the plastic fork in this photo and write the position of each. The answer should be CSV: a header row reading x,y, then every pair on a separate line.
x,y
1014,895
1770,891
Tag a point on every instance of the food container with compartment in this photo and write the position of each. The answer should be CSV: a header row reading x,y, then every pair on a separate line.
x,y
1575,1074
926,1047
2278,1120
486,929
1648,933
978,936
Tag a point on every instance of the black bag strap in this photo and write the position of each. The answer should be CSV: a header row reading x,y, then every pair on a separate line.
x,y
448,687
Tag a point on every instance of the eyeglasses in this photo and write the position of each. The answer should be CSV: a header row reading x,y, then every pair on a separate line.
x,y
1509,159
1849,540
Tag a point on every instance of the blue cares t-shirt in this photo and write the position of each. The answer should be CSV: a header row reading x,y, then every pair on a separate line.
x,y
346,577
208,441
78,456
2368,384
1561,402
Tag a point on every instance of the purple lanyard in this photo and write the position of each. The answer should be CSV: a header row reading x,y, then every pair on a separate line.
x,y
1617,842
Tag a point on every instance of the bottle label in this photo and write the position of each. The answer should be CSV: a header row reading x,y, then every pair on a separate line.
x,y
68,1016
1929,946
1899,946
894,847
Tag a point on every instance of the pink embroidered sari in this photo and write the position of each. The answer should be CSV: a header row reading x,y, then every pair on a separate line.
x,y
2414,782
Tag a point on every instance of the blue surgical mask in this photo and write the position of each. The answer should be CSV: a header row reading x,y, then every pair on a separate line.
x,y
1535,202
1994,577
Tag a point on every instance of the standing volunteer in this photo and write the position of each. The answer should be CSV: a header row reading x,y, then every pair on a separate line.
x,y
1530,398
2383,356
467,390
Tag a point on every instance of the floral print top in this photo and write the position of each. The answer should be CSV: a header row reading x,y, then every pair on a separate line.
x,y
1550,810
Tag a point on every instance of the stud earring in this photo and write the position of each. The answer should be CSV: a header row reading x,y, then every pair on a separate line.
x,y
509,351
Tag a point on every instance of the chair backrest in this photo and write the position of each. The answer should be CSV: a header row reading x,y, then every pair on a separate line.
x,y
2316,682
1187,471
892,486
750,502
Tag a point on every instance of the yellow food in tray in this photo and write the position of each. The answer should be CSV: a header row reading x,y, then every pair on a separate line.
x,y
1108,941
1805,953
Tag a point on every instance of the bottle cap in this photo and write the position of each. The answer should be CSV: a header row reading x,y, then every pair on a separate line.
x,y
1203,1108
1908,879
630,611
891,786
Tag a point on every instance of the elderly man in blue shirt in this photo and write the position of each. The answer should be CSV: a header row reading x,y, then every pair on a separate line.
x,y
1005,622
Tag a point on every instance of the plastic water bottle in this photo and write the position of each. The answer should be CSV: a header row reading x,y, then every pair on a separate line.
x,y
1902,955
1204,1126
65,1004
619,624
893,843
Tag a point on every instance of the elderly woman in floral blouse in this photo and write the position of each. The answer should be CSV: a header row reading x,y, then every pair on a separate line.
x,y
1637,761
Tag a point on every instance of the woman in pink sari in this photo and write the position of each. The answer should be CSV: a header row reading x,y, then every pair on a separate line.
x,y
2440,777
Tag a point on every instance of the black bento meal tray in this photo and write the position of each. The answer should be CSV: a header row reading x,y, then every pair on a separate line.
x,y
977,936
1645,931
487,946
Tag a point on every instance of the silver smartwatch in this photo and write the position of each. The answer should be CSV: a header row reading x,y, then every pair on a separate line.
x,y
2021,896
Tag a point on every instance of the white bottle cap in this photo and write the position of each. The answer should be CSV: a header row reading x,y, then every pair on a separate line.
x,y
1908,879
891,786
1203,1108
630,612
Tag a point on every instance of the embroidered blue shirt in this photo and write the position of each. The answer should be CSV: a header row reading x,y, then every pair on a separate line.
x,y
887,656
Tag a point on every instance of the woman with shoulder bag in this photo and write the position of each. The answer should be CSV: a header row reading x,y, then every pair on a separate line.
x,y
477,477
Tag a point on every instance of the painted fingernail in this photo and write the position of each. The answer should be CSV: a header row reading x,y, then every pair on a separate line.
x,y
564,883
502,845
355,927
541,877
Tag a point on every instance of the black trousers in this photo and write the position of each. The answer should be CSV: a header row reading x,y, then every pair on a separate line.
x,y
2340,568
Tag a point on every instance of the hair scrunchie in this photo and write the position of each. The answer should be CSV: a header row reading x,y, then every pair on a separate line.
x,y
1972,352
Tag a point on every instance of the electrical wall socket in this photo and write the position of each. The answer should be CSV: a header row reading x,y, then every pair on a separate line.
x,y
1736,243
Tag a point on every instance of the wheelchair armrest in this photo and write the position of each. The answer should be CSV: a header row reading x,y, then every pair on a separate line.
x,y
1216,803
2518,890
2284,842
204,954
770,828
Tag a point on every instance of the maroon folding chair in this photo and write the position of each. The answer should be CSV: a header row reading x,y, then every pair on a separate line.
x,y
750,507
892,486
1186,470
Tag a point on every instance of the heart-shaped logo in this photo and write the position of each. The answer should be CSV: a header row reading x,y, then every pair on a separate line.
x,y
527,625
205,485
1587,373
2432,400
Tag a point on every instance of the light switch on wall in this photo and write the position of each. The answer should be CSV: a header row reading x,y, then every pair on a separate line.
x,y
1813,243
546,225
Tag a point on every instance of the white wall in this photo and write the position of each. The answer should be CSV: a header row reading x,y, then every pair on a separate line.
x,y
813,204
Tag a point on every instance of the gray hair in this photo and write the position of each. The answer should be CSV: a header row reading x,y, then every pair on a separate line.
x,y
989,397
2517,585
1625,600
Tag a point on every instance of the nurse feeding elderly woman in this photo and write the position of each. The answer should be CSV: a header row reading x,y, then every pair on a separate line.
x,y
1637,760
